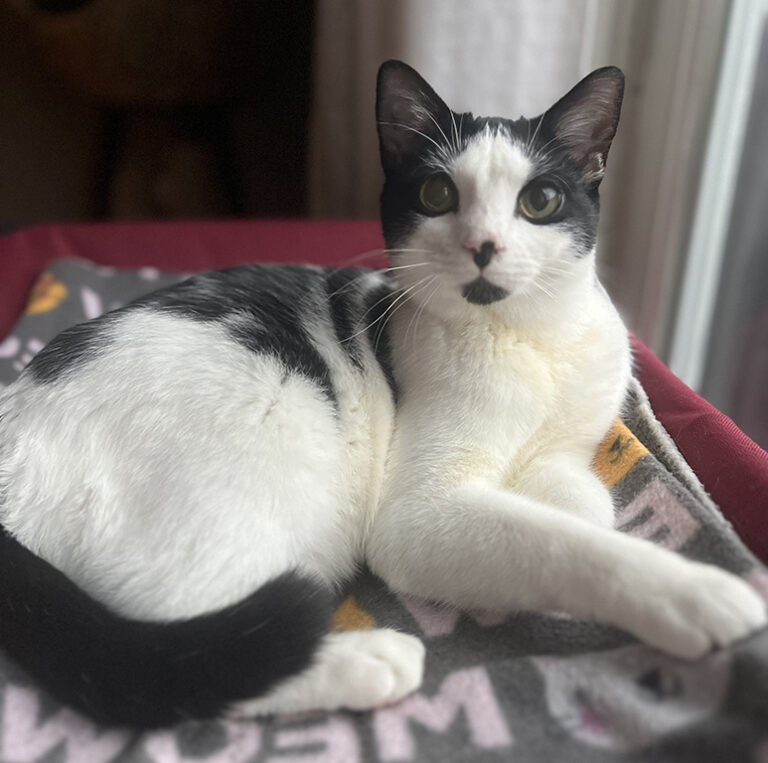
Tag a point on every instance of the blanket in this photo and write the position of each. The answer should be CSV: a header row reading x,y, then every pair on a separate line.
x,y
521,686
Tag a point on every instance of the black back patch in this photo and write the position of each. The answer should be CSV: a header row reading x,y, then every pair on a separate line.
x,y
264,308
378,304
70,350
342,292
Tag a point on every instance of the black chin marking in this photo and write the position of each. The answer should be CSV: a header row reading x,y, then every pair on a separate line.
x,y
482,292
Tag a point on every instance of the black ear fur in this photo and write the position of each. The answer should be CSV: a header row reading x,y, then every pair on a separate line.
x,y
409,113
585,119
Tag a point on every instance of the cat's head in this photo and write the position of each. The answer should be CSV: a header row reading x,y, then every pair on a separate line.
x,y
493,214
630,697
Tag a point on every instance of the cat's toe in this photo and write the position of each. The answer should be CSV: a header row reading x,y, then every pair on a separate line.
x,y
706,608
383,667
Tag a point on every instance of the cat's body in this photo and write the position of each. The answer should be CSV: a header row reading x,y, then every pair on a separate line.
x,y
288,424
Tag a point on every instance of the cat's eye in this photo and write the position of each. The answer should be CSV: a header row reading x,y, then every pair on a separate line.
x,y
659,684
541,199
438,194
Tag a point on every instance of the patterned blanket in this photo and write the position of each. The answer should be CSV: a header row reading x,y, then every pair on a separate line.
x,y
520,687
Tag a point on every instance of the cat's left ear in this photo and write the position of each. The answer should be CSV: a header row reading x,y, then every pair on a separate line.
x,y
410,116
585,119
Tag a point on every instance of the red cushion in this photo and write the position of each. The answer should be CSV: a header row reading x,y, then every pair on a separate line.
x,y
732,468
187,246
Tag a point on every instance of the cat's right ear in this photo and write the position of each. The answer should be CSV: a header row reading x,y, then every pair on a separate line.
x,y
410,115
585,119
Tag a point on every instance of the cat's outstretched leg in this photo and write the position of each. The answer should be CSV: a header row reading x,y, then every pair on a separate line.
x,y
562,481
358,670
484,547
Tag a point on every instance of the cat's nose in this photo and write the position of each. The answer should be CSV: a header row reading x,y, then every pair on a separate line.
x,y
482,252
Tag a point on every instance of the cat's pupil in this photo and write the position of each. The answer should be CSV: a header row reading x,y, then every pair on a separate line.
x,y
661,685
438,194
540,200
540,196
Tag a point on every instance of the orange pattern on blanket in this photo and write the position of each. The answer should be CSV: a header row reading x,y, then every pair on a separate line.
x,y
617,454
349,617
47,294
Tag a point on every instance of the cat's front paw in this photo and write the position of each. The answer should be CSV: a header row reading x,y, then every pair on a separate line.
x,y
379,666
701,608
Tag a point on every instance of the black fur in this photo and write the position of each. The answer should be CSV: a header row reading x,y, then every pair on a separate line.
x,y
377,310
341,293
262,307
482,292
123,672
70,350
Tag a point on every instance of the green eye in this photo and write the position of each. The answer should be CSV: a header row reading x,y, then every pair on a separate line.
x,y
438,194
540,199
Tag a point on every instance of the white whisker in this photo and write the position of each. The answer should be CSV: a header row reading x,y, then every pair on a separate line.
x,y
418,315
418,132
393,308
410,323
378,302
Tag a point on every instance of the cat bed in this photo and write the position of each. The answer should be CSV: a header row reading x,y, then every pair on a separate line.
x,y
527,687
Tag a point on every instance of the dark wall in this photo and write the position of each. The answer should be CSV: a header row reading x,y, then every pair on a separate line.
x,y
153,108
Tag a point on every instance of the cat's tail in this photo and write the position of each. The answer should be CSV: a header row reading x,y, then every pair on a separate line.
x,y
140,674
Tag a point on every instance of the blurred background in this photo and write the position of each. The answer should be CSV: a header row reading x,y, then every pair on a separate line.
x,y
157,109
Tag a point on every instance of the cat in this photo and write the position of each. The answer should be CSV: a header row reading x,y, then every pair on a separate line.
x,y
624,699
186,482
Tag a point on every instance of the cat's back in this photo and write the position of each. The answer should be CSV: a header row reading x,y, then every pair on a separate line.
x,y
159,441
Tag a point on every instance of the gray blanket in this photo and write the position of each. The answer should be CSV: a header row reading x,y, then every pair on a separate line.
x,y
519,687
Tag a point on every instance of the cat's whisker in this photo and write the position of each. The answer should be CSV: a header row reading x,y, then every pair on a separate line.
x,y
354,281
543,289
535,133
377,253
403,267
393,308
403,292
434,121
411,295
410,323
363,256
456,146
419,313
555,270
413,129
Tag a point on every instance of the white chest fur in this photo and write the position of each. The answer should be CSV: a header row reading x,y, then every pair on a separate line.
x,y
479,396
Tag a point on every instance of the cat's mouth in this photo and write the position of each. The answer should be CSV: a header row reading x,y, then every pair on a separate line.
x,y
482,292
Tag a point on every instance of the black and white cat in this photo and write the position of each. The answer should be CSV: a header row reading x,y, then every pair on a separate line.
x,y
203,468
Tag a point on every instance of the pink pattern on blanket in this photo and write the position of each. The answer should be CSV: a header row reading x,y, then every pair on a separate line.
x,y
656,514
469,690
440,620
24,740
337,735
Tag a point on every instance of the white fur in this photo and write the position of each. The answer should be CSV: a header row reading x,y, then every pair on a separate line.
x,y
477,490
358,670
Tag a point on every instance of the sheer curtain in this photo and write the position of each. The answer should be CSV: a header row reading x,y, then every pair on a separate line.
x,y
734,374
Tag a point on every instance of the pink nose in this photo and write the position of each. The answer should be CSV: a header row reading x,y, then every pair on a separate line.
x,y
482,251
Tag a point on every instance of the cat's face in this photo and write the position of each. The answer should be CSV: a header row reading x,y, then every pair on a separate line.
x,y
628,698
487,214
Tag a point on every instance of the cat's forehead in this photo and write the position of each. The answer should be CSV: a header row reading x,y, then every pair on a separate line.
x,y
493,154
